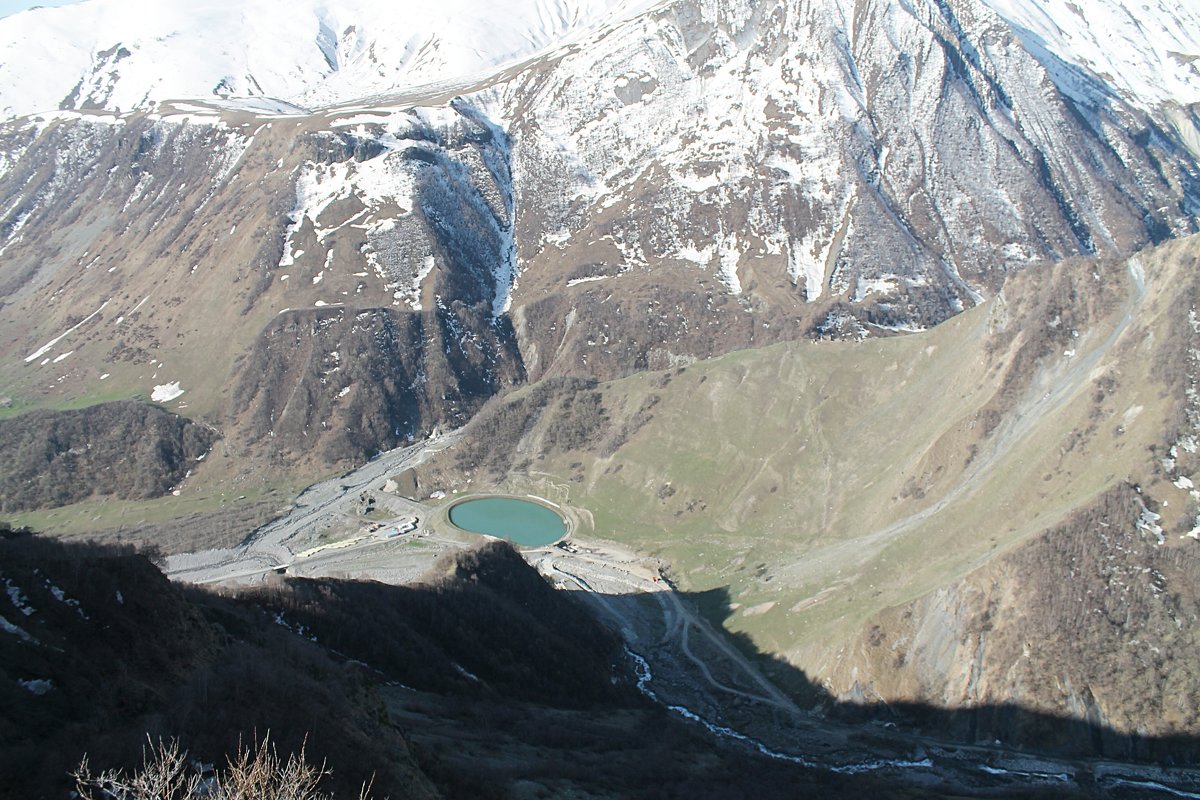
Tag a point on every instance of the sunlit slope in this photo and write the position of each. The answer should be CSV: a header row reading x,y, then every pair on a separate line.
x,y
821,482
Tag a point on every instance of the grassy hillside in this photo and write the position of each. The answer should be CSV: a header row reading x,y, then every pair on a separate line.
x,y
823,482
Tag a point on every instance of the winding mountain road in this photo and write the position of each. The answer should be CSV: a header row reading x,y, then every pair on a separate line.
x,y
318,507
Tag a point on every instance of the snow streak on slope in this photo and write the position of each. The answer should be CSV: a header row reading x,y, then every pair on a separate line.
x,y
131,54
1148,50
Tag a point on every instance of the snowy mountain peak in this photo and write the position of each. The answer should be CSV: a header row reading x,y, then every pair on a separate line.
x,y
124,55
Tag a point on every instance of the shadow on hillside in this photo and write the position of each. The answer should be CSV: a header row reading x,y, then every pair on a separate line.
x,y
503,679
482,682
1011,726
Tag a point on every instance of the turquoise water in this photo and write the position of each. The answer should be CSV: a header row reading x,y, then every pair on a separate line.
x,y
519,521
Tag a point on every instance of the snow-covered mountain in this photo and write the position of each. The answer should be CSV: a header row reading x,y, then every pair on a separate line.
x,y
886,161
131,54
588,187
125,55
1148,52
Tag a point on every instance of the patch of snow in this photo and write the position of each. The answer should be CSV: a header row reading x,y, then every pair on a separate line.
x,y
1057,777
690,252
298,629
806,259
38,686
590,279
865,287
1153,786
696,183
20,633
18,599
731,255
1148,522
166,392
903,328
461,670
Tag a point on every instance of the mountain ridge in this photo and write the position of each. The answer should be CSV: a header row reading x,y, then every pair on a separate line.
x,y
348,44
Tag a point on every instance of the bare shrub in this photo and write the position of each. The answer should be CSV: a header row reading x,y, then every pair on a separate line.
x,y
257,773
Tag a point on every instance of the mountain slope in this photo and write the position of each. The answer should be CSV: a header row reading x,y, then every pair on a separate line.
x,y
359,278
832,487
1145,52
701,178
873,164
995,639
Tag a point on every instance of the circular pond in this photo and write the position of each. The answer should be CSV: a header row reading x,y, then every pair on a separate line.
x,y
519,521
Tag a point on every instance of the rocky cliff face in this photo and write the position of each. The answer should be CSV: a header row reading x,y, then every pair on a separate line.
x,y
822,160
340,386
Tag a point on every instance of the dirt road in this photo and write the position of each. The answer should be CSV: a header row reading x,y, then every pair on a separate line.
x,y
317,508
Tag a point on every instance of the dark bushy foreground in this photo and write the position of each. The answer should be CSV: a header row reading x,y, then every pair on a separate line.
x,y
112,652
481,682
